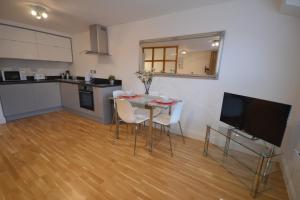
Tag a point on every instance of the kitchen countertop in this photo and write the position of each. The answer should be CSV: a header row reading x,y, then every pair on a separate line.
x,y
79,82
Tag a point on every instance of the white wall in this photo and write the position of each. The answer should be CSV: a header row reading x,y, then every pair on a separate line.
x,y
260,58
291,161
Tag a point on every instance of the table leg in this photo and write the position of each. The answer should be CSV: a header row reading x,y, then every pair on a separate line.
x,y
257,178
227,143
205,151
268,166
151,129
117,131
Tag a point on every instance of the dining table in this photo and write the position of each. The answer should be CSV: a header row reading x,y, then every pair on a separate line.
x,y
148,102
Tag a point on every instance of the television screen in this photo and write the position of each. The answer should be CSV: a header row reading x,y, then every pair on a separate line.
x,y
260,118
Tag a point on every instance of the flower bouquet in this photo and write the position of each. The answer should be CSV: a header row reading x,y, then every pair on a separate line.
x,y
146,78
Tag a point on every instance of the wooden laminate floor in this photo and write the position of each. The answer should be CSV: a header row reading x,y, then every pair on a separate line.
x,y
63,156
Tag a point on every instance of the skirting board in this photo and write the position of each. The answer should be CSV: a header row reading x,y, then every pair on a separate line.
x,y
30,114
98,119
287,179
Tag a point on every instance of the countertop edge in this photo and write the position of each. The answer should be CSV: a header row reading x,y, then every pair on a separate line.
x,y
59,81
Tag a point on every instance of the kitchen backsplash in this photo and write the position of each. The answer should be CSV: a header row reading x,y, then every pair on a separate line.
x,y
30,66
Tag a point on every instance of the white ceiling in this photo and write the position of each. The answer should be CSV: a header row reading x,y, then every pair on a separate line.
x,y
71,16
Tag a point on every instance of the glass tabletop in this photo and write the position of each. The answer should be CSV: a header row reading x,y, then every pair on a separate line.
x,y
149,100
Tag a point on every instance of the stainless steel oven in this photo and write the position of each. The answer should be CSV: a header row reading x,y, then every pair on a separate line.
x,y
86,97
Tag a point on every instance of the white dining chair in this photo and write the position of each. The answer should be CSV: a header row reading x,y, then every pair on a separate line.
x,y
126,113
116,94
137,110
167,120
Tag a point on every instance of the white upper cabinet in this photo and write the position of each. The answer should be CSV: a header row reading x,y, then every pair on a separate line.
x,y
18,50
17,34
21,43
53,40
52,53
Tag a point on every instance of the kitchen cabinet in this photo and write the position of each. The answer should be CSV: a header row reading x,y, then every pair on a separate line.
x,y
46,95
16,99
51,53
27,99
18,49
69,95
53,40
54,48
103,107
102,104
19,100
22,43
17,34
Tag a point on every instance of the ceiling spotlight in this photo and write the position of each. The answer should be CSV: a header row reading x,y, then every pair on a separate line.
x,y
44,15
33,13
39,12
183,52
215,43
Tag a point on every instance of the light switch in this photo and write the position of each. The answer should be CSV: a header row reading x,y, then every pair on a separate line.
x,y
297,152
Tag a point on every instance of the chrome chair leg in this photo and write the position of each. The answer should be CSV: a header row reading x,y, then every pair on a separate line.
x,y
135,136
112,120
170,142
181,132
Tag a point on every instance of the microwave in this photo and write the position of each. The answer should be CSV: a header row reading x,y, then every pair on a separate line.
x,y
12,76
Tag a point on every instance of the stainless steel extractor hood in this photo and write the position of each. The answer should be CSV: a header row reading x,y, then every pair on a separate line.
x,y
99,40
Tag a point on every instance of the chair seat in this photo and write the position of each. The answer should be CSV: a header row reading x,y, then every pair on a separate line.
x,y
140,118
146,112
163,119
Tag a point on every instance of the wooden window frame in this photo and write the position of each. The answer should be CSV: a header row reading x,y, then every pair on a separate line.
x,y
164,60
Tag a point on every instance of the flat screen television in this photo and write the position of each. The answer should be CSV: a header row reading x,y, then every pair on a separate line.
x,y
260,118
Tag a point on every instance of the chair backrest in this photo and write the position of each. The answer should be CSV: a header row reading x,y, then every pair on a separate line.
x,y
118,93
176,113
125,111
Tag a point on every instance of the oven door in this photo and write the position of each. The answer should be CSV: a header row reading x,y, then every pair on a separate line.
x,y
86,99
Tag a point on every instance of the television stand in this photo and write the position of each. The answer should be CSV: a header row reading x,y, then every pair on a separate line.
x,y
263,150
242,133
